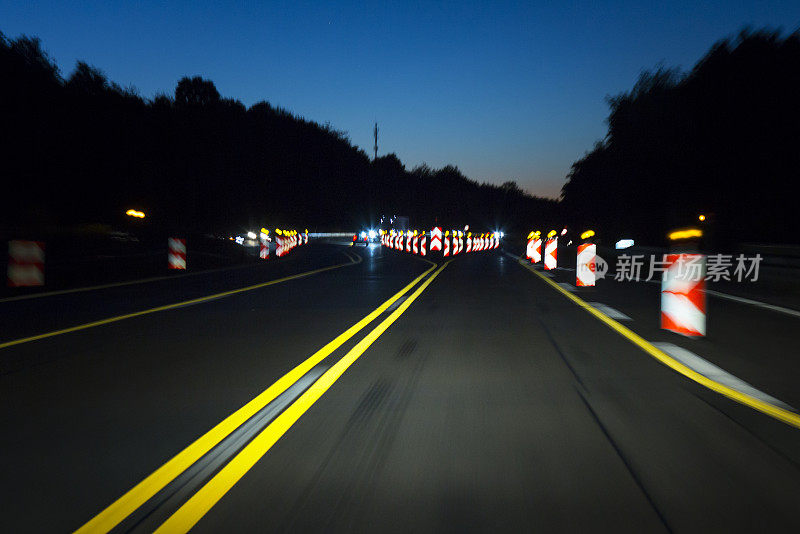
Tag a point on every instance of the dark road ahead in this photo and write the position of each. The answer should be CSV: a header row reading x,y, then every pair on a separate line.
x,y
384,392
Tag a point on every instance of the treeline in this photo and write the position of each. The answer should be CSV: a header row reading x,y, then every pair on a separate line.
x,y
80,149
721,140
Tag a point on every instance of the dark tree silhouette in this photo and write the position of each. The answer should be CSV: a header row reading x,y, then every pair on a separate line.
x,y
196,92
84,150
722,139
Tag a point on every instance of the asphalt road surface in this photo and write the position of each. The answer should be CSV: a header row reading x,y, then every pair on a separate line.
x,y
344,389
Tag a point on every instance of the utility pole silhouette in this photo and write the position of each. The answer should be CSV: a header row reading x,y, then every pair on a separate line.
x,y
376,141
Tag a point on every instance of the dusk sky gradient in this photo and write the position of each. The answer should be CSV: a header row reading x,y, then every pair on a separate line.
x,y
505,91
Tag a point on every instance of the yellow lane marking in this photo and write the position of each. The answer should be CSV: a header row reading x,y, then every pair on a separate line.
x,y
172,306
205,498
775,412
142,492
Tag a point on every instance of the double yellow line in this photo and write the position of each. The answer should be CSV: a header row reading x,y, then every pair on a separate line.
x,y
775,412
205,498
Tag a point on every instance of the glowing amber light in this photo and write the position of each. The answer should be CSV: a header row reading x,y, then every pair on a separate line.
x,y
135,213
702,218
587,234
685,234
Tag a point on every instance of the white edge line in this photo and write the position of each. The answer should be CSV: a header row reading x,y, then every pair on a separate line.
x,y
759,304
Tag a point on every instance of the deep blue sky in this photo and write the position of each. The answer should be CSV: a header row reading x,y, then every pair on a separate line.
x,y
503,90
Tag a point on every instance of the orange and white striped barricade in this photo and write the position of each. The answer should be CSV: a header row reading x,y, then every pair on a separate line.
x,y
550,253
456,247
263,251
280,248
25,263
482,245
176,257
529,249
683,294
436,239
460,243
469,243
536,255
585,265
446,244
415,245
408,241
496,240
422,250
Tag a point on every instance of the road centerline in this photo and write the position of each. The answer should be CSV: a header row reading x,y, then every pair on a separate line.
x,y
128,503
201,502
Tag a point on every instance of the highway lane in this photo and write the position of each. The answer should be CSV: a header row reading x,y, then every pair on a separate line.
x,y
24,317
490,402
496,404
103,407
